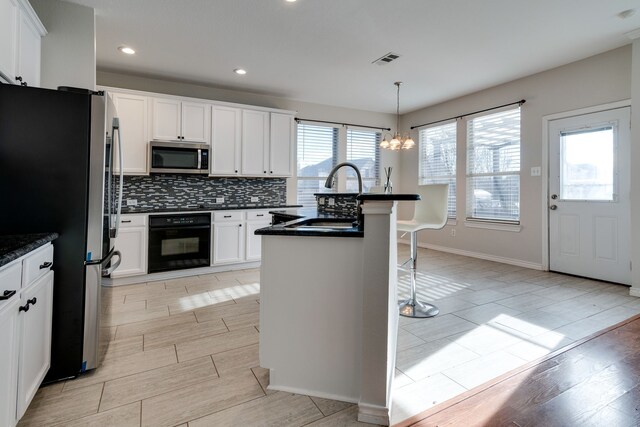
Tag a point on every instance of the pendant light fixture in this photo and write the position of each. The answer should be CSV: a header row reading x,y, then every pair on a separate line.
x,y
398,141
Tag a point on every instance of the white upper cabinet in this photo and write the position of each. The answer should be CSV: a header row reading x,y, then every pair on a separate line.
x,y
225,140
8,38
255,143
281,145
20,38
174,120
132,110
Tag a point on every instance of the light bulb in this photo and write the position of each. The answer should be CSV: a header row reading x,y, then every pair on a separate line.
x,y
408,144
384,143
395,143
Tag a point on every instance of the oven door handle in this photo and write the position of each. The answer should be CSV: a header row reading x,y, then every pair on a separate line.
x,y
178,227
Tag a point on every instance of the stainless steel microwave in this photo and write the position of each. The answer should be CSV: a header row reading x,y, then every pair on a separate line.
x,y
178,157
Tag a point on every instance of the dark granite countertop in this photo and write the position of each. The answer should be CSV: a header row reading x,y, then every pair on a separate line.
x,y
14,246
390,197
197,208
301,215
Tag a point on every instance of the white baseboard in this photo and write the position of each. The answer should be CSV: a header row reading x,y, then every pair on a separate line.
x,y
168,275
634,291
373,414
306,392
480,255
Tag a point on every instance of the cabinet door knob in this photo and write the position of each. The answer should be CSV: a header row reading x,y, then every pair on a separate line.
x,y
24,308
47,264
19,78
236,170
265,171
32,301
239,225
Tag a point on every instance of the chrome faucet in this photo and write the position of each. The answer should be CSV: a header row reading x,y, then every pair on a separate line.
x,y
329,184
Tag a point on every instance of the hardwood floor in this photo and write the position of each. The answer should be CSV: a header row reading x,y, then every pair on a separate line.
x,y
596,382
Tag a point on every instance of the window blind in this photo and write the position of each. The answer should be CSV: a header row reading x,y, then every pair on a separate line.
x,y
437,164
493,166
317,155
363,150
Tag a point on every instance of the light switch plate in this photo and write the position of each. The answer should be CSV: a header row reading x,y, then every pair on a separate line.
x,y
332,201
219,199
132,202
536,171
254,199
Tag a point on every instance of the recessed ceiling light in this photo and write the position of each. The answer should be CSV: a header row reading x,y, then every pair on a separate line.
x,y
290,1
127,50
240,71
627,13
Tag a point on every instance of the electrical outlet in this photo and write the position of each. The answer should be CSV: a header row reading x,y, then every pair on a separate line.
x,y
536,171
453,232
219,199
254,200
132,202
332,201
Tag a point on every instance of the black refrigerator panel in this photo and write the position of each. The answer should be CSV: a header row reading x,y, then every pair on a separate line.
x,y
44,163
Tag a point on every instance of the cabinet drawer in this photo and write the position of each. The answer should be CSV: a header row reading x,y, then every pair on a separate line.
x,y
11,277
228,216
133,221
258,216
37,264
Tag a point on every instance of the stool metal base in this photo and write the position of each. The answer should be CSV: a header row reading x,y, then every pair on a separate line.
x,y
417,309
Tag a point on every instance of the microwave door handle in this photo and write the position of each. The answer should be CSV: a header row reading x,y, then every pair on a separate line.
x,y
116,127
199,158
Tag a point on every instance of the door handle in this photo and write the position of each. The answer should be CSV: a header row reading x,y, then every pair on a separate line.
x,y
554,196
46,265
553,207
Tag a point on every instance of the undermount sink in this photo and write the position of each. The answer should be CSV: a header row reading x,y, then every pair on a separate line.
x,y
323,224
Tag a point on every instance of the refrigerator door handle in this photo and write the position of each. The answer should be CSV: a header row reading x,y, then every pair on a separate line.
x,y
116,127
109,270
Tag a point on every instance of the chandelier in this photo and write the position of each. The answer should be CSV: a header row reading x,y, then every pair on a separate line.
x,y
398,141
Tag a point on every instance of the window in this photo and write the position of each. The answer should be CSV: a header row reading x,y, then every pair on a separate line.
x,y
438,160
493,167
317,155
363,150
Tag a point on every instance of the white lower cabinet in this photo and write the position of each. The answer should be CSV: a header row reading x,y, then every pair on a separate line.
x,y
253,241
228,242
132,244
25,332
35,338
9,361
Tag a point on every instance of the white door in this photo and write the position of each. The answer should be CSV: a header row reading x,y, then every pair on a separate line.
x,y
225,141
253,250
132,112
132,243
589,209
9,329
196,122
28,51
281,144
35,339
255,148
8,40
166,120
228,242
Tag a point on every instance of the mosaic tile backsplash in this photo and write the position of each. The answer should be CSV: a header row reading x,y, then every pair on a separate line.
x,y
340,203
167,191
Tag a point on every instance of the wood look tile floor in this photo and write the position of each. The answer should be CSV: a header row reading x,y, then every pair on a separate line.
x,y
185,351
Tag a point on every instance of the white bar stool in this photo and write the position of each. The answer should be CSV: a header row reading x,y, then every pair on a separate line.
x,y
430,213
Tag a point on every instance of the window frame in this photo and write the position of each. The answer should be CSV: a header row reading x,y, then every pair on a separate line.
x,y
350,174
335,143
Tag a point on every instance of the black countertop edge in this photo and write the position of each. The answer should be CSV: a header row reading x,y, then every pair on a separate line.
x,y
202,208
14,246
389,197
335,194
305,214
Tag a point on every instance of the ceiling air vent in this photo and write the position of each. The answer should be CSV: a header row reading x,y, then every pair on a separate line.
x,y
389,57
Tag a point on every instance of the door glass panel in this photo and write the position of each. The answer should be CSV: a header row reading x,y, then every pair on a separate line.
x,y
183,246
587,164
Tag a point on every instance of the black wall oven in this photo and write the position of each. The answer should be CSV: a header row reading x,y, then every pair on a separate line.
x,y
177,242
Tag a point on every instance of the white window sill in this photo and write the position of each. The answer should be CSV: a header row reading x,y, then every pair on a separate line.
x,y
487,225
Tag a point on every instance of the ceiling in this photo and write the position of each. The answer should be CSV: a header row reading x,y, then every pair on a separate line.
x,y
322,51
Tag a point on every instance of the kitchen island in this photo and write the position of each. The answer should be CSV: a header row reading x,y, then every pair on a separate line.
x,y
328,306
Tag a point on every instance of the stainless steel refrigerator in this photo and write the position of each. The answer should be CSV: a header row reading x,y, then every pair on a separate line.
x,y
56,175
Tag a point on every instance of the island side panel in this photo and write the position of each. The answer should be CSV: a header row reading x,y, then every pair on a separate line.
x,y
311,315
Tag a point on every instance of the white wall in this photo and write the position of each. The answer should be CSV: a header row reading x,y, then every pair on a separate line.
x,y
68,50
635,170
596,80
305,110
